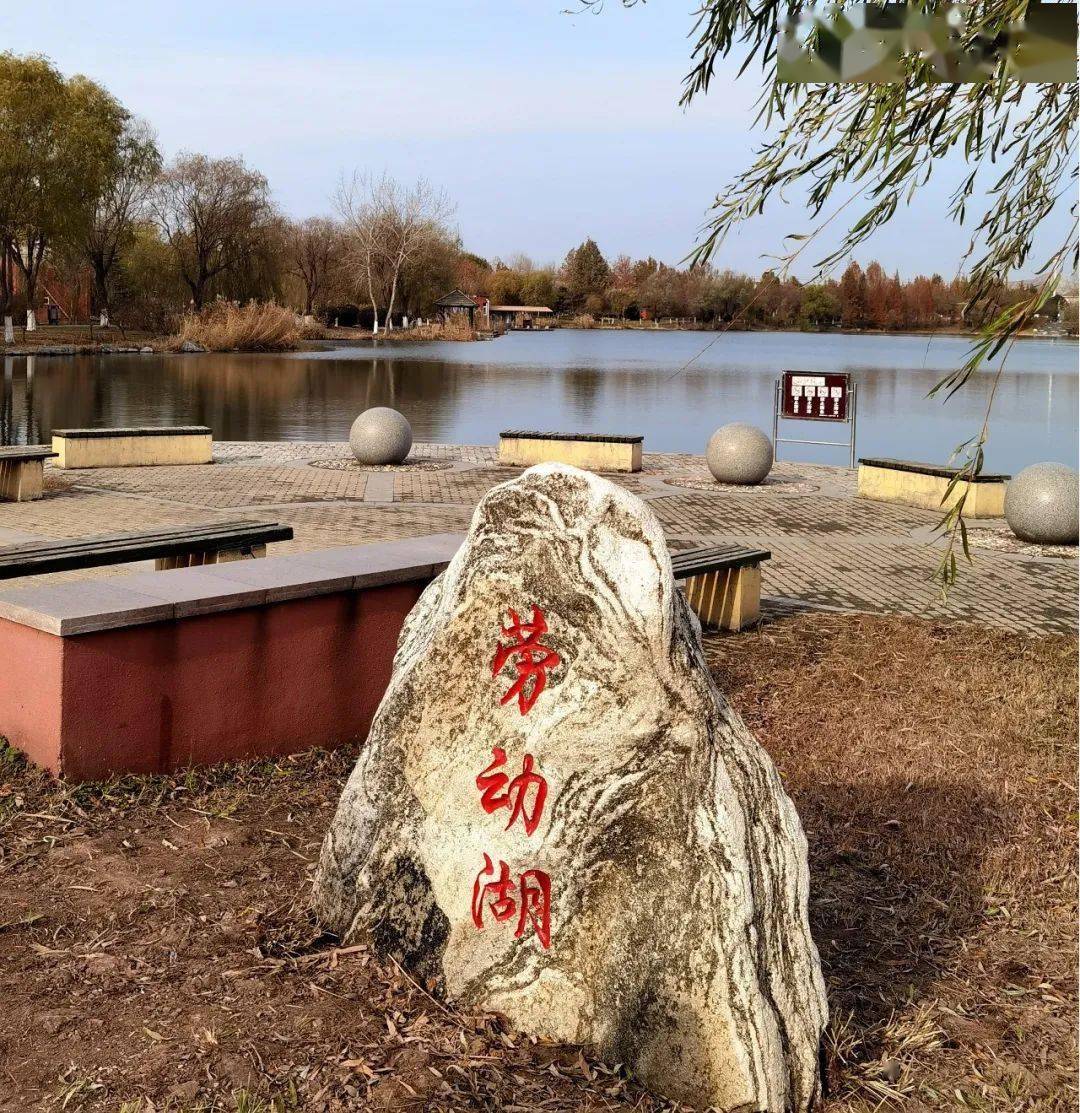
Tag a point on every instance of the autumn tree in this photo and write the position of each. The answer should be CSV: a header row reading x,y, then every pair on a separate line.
x,y
59,143
538,288
388,225
118,207
504,286
586,272
314,256
853,297
472,273
622,273
429,272
214,214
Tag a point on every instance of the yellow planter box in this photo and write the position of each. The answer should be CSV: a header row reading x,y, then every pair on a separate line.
x,y
592,451
122,448
925,486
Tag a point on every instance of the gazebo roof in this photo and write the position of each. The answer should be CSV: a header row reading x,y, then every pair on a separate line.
x,y
455,300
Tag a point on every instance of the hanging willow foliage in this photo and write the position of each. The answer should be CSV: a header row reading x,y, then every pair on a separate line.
x,y
862,149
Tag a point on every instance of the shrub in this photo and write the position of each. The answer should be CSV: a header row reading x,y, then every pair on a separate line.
x,y
255,327
456,327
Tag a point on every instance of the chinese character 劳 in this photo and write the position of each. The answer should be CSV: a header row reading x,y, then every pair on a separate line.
x,y
532,905
531,659
498,791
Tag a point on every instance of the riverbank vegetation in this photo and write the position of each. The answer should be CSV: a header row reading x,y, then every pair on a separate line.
x,y
122,237
256,327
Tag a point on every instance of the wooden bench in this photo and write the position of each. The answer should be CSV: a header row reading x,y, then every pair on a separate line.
x,y
172,547
926,486
133,447
22,471
593,451
722,583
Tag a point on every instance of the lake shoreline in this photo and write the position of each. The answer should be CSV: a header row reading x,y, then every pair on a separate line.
x,y
157,345
674,389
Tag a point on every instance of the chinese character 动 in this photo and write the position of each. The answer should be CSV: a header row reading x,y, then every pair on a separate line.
x,y
498,791
531,658
532,905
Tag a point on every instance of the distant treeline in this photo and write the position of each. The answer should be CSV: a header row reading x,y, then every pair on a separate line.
x,y
94,222
646,289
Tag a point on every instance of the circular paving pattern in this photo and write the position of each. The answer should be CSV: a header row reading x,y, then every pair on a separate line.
x,y
1004,542
778,485
412,463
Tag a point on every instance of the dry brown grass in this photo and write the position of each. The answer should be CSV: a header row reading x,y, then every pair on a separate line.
x,y
256,327
456,327
155,946
312,329
935,772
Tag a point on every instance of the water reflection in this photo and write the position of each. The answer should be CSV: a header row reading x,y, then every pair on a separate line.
x,y
598,381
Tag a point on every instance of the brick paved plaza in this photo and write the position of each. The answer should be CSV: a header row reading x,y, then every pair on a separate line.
x,y
829,548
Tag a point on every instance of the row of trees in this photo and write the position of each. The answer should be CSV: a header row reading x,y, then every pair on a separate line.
x,y
85,195
633,289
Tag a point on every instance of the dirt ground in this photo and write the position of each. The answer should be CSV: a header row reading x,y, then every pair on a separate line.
x,y
156,953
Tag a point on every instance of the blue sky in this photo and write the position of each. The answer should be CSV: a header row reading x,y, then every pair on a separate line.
x,y
544,127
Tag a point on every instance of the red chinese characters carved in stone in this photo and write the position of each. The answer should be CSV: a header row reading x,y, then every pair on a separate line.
x,y
524,795
529,900
532,660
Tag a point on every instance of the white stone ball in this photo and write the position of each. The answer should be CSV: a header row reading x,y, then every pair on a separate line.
x,y
1041,504
380,436
739,453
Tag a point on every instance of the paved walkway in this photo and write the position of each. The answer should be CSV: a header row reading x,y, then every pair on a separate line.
x,y
829,548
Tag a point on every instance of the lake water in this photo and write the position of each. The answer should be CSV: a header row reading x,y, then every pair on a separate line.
x,y
598,381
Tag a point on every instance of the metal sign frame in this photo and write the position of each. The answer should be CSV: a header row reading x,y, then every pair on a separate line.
x,y
850,420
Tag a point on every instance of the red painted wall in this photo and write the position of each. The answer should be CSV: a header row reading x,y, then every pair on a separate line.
x,y
150,699
31,664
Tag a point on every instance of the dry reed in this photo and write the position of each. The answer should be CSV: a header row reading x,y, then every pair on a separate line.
x,y
456,327
255,327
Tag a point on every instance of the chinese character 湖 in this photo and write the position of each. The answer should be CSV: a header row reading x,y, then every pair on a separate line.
x,y
532,903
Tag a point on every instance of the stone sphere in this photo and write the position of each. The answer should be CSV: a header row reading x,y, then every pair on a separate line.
x,y
1041,505
739,453
380,436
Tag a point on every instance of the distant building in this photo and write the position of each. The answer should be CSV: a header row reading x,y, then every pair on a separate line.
x,y
60,298
456,304
522,316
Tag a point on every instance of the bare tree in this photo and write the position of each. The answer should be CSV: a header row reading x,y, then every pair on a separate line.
x,y
213,213
414,217
359,201
121,202
314,250
389,225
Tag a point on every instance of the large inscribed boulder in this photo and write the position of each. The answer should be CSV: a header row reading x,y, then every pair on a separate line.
x,y
558,817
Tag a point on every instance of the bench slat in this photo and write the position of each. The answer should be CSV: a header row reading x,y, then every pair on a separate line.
x,y
26,451
31,558
539,435
210,531
134,431
714,558
940,471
